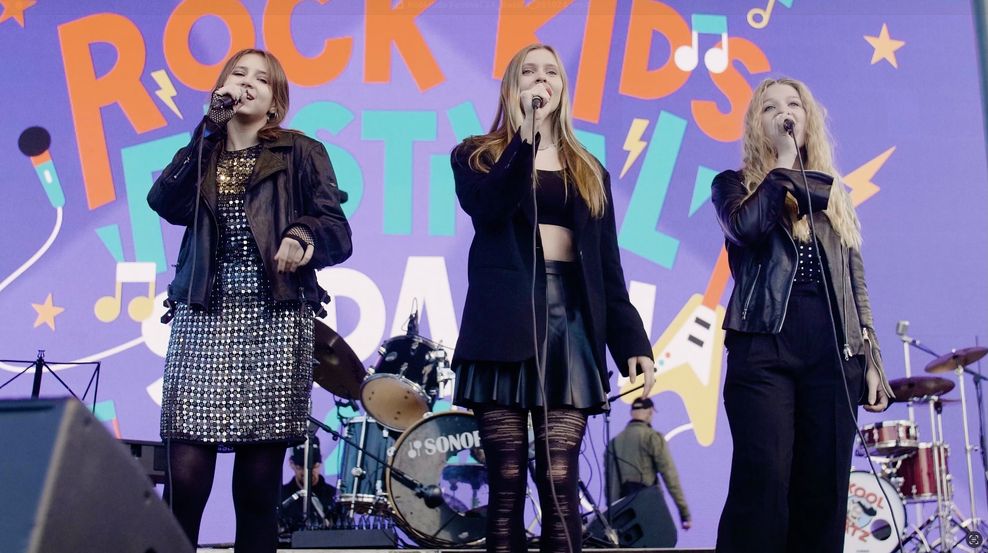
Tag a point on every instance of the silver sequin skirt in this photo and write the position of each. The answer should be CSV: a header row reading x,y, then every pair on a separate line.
x,y
240,372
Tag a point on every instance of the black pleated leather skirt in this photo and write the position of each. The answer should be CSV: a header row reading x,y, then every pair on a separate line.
x,y
571,375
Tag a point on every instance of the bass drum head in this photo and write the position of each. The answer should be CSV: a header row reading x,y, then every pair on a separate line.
x,y
443,449
869,527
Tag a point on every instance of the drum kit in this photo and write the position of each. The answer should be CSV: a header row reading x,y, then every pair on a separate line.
x,y
915,472
400,462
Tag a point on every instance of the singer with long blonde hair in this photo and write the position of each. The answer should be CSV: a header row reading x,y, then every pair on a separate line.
x,y
546,296
802,352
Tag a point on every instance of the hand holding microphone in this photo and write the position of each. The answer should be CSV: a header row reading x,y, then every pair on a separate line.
x,y
534,101
229,96
224,104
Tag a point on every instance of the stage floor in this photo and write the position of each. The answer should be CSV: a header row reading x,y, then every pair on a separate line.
x,y
219,549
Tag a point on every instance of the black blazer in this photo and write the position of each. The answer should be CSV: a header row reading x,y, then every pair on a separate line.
x,y
497,320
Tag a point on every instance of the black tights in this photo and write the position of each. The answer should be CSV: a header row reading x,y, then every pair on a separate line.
x,y
504,434
256,490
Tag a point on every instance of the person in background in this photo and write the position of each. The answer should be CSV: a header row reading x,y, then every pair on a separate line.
x,y
293,491
634,457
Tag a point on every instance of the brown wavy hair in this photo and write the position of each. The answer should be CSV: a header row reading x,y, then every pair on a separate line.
x,y
759,158
579,165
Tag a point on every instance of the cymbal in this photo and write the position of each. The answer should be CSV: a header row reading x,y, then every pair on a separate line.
x,y
920,386
962,357
337,368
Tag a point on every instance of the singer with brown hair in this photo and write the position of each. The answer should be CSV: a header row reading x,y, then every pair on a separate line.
x,y
801,339
546,294
238,373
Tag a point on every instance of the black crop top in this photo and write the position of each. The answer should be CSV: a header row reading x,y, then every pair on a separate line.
x,y
553,199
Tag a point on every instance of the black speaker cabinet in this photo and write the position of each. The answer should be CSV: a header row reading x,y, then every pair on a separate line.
x,y
66,485
640,520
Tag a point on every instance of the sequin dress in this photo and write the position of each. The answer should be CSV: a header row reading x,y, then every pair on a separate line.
x,y
240,372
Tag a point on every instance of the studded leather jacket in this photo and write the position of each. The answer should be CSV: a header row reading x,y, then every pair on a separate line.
x,y
293,184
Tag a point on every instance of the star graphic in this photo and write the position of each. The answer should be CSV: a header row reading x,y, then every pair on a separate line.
x,y
46,313
885,46
14,9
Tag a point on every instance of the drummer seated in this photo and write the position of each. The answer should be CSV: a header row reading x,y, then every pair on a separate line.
x,y
293,494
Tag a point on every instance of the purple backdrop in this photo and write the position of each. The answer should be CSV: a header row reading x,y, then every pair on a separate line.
x,y
905,109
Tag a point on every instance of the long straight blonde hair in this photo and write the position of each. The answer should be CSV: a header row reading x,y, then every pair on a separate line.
x,y
578,164
760,156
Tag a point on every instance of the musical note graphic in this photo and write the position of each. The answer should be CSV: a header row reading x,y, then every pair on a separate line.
x,y
716,58
107,308
759,18
688,355
34,143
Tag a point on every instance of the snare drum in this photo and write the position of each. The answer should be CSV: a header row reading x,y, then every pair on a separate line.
x,y
890,438
405,381
918,474
361,479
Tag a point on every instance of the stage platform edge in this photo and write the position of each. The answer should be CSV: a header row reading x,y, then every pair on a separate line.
x,y
218,549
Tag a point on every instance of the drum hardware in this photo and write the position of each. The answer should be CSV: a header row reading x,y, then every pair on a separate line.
x,y
957,361
361,478
430,494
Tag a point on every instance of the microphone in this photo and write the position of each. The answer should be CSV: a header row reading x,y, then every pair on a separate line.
x,y
901,328
537,102
432,495
789,125
227,101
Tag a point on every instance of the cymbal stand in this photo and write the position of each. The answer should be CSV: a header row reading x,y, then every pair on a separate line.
x,y
900,329
959,370
943,513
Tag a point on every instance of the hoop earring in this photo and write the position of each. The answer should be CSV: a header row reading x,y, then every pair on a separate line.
x,y
272,115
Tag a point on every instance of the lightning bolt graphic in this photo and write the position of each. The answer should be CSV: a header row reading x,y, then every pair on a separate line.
x,y
634,144
166,90
859,180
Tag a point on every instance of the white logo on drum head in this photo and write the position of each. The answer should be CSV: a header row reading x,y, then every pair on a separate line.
x,y
445,444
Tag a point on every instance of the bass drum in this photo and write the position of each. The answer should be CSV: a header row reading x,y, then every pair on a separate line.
x,y
869,527
442,449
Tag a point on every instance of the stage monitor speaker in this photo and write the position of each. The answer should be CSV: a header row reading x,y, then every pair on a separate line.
x,y
640,520
68,486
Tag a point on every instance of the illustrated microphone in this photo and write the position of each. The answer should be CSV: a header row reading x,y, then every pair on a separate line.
x,y
789,125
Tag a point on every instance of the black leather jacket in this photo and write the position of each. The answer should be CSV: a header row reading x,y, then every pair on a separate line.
x,y
763,258
293,183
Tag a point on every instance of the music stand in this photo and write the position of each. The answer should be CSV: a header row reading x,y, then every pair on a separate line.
x,y
39,364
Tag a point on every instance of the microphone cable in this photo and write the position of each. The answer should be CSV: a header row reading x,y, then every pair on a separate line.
x,y
833,329
539,360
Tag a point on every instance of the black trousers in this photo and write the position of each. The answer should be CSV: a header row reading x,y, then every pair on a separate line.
x,y
793,433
